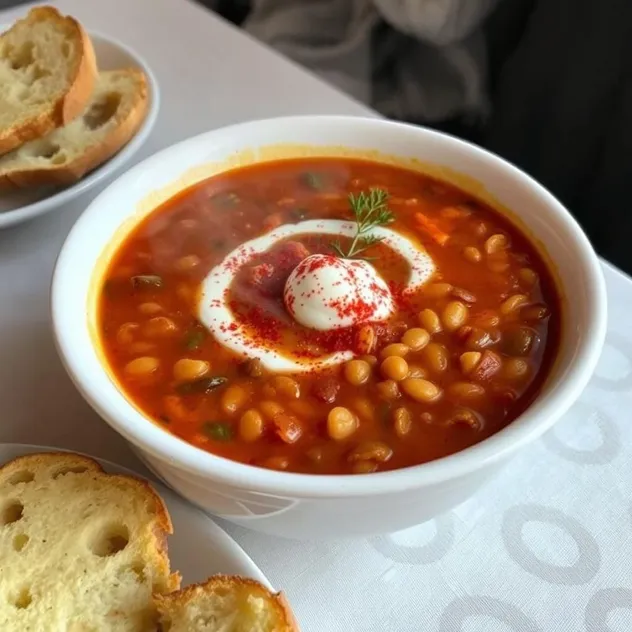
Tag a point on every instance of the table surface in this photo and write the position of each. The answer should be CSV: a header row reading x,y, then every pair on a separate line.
x,y
554,531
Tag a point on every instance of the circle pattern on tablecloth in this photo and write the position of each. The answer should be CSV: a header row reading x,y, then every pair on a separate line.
x,y
430,550
604,602
460,610
582,570
582,412
614,370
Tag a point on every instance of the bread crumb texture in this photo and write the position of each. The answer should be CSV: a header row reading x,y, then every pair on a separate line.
x,y
113,115
80,550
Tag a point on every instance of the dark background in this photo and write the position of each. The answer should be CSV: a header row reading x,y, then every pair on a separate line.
x,y
5,4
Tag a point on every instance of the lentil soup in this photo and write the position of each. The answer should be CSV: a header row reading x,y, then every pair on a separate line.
x,y
329,316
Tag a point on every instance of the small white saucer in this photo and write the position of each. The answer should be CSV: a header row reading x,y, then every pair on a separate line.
x,y
20,206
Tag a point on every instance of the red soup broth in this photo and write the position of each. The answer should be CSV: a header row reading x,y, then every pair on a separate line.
x,y
458,360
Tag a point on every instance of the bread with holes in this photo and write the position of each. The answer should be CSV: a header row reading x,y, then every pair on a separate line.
x,y
47,74
113,115
80,550
225,604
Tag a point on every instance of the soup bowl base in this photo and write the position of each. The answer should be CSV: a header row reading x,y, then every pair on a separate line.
x,y
303,518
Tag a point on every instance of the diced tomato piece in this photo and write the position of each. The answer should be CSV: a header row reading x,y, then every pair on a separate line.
x,y
290,254
326,389
389,332
288,427
259,274
488,366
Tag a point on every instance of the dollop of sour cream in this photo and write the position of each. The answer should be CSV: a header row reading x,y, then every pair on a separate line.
x,y
326,292
214,313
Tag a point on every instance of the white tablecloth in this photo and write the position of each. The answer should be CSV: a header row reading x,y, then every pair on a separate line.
x,y
545,547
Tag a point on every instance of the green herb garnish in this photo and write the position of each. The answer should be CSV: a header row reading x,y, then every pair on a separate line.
x,y
147,280
370,210
218,430
205,385
313,180
193,339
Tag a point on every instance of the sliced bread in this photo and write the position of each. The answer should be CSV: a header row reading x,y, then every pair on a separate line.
x,y
113,115
80,550
47,74
225,604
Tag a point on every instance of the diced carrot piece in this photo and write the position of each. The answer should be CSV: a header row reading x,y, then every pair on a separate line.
x,y
431,228
455,212
333,197
405,201
176,409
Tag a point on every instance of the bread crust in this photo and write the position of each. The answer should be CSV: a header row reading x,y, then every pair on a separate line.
x,y
190,594
71,172
69,460
67,106
51,464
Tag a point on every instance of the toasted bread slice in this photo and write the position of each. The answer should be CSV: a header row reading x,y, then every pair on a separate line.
x,y
80,550
112,117
225,604
47,74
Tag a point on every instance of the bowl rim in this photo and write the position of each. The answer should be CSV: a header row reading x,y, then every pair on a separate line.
x,y
64,196
169,449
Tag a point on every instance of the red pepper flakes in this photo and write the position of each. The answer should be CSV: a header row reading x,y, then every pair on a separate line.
x,y
266,329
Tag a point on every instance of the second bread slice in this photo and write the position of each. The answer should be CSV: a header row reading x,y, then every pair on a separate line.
x,y
115,112
225,603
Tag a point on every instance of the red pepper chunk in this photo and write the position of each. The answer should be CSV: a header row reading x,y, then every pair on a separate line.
x,y
288,427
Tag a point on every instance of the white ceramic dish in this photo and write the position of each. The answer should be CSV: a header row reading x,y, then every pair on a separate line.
x,y
20,206
198,547
308,506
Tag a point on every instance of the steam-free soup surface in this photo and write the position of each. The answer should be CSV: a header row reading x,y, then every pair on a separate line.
x,y
456,362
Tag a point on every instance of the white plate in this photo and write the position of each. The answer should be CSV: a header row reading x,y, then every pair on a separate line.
x,y
17,207
198,547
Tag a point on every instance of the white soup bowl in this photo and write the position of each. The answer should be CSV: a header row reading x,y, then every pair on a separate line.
x,y
316,506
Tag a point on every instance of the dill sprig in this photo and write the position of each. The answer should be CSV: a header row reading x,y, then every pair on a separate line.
x,y
370,209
